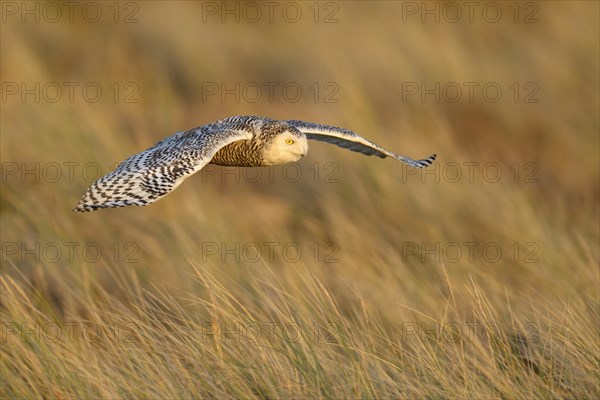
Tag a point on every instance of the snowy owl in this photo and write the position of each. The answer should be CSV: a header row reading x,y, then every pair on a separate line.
x,y
247,141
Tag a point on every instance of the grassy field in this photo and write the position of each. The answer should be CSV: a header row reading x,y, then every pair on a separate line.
x,y
342,276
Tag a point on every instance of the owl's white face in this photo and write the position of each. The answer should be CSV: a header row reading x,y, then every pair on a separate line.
x,y
287,147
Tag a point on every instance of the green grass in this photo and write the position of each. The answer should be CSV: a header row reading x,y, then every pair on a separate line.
x,y
378,303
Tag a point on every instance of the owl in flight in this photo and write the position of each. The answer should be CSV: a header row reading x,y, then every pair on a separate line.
x,y
247,141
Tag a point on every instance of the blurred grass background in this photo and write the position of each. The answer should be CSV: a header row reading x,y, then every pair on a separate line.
x,y
373,212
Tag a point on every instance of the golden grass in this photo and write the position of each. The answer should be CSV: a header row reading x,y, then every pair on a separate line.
x,y
378,304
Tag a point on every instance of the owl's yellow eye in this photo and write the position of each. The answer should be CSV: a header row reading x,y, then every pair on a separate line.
x,y
289,141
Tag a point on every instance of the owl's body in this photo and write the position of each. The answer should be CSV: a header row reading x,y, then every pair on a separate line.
x,y
246,141
266,133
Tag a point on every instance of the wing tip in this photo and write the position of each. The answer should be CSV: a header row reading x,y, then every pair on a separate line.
x,y
424,162
89,207
83,208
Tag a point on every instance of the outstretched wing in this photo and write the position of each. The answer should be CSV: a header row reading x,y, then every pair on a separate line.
x,y
349,140
154,173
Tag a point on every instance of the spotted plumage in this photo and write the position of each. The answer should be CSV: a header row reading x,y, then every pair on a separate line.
x,y
246,141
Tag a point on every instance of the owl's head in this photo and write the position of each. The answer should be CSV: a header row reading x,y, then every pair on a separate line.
x,y
288,145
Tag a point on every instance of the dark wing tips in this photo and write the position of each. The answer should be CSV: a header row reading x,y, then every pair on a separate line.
x,y
420,163
427,161
84,208
80,208
85,204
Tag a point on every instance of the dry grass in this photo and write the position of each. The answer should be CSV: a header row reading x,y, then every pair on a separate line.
x,y
372,308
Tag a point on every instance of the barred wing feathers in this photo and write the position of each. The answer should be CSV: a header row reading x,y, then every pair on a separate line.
x,y
347,139
152,174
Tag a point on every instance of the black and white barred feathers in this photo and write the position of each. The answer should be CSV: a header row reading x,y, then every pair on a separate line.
x,y
246,141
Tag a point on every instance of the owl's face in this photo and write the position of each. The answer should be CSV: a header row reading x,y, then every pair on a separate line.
x,y
288,146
